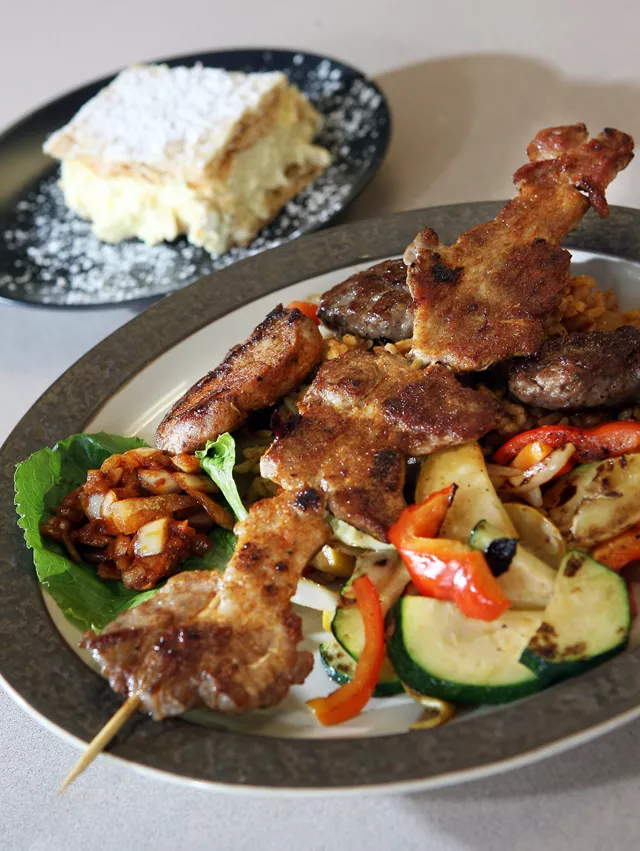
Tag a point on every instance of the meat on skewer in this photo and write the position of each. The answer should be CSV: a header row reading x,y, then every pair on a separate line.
x,y
363,414
483,299
227,641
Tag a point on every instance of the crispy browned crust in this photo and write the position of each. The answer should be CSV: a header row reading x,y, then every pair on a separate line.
x,y
562,156
227,641
483,299
363,414
278,355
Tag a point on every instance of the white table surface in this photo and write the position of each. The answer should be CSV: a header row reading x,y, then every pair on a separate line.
x,y
469,84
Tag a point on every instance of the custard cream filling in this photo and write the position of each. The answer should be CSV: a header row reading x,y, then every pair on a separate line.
x,y
214,214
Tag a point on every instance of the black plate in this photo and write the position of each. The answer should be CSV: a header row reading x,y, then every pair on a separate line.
x,y
48,255
46,675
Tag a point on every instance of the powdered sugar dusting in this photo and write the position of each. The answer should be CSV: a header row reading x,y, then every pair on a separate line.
x,y
51,257
151,114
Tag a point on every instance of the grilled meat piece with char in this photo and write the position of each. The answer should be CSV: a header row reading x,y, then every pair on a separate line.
x,y
582,370
363,414
227,641
484,299
278,355
375,304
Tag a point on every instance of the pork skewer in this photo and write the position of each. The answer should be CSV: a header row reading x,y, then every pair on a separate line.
x,y
225,641
484,298
229,641
362,416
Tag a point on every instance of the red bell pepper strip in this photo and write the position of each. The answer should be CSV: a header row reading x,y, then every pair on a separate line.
x,y
621,550
604,441
309,309
352,697
445,569
553,436
610,440
423,520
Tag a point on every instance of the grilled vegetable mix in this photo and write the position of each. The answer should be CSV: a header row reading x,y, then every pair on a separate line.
x,y
604,441
497,607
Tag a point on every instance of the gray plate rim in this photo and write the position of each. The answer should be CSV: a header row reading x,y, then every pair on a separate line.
x,y
42,673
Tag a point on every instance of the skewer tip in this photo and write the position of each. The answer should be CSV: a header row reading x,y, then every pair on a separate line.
x,y
99,742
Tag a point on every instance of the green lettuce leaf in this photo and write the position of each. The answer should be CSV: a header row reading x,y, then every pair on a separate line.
x,y
218,459
41,482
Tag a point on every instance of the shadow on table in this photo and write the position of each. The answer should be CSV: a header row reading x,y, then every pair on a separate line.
x,y
461,126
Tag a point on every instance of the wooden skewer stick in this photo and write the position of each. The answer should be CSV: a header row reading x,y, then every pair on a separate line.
x,y
99,743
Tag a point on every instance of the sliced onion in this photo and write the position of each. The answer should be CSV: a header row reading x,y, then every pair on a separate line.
x,y
186,463
128,515
112,462
93,506
121,546
131,458
152,538
537,533
158,481
193,482
142,452
514,481
311,595
533,497
216,512
545,470
108,500
437,712
506,472
114,475
500,475
68,543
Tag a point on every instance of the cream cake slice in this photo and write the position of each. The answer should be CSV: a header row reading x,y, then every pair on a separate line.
x,y
198,151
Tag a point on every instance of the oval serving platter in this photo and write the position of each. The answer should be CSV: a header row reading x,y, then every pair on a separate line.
x,y
49,256
123,385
